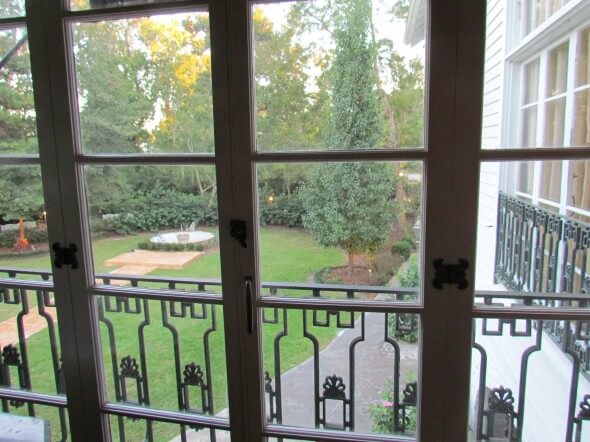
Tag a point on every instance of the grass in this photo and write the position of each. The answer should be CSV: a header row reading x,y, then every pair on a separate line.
x,y
287,255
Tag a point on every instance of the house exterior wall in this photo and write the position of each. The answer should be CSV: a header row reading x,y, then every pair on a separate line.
x,y
494,75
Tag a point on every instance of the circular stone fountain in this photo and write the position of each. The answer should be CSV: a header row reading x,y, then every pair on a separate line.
x,y
181,237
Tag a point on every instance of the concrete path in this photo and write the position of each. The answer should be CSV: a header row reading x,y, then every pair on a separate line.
x,y
374,365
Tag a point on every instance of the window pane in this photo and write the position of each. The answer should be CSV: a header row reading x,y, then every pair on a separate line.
x,y
341,370
579,188
554,122
557,73
583,58
525,177
23,219
511,398
338,75
551,180
153,220
537,244
529,127
144,84
531,82
12,8
340,230
129,429
581,130
97,4
18,130
164,355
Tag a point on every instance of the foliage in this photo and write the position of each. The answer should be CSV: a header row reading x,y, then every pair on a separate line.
x,y
180,247
404,247
284,210
349,205
382,414
8,239
162,209
410,275
21,194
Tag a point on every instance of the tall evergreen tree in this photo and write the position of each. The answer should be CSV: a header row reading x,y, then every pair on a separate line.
x,y
350,204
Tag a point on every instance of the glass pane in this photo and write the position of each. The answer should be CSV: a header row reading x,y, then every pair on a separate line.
x,y
550,180
97,4
536,12
525,177
581,130
23,219
529,127
33,422
163,354
345,75
511,398
153,221
535,98
557,74
18,130
12,8
531,82
554,123
528,245
342,370
579,190
30,354
582,58
129,429
144,84
340,230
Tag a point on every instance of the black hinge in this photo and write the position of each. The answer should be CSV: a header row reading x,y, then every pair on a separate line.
x,y
450,274
64,256
237,230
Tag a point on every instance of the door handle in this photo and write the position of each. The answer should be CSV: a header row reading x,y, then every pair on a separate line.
x,y
249,305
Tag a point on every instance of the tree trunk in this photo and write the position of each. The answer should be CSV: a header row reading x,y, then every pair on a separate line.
x,y
350,262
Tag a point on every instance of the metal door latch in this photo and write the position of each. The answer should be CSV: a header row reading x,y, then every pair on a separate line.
x,y
450,274
64,256
237,230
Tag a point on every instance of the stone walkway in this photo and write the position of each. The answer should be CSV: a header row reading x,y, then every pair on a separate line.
x,y
374,364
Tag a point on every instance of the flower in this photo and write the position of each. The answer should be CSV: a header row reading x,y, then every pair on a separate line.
x,y
387,404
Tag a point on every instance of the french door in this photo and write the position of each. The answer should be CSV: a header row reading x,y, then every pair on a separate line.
x,y
227,322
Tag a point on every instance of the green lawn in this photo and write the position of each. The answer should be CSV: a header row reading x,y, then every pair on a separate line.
x,y
286,255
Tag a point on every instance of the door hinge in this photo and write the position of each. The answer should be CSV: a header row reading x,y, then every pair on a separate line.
x,y
237,230
64,256
450,274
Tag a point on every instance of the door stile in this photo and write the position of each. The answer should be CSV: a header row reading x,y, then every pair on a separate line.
x,y
226,118
56,228
437,242
471,19
63,190
244,192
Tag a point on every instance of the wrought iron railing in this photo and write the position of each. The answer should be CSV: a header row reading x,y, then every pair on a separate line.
x,y
542,259
195,387
129,373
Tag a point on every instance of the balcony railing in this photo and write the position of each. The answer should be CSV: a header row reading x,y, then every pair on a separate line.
x,y
542,259
132,382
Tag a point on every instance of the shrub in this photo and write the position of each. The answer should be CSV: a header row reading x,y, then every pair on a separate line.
x,y
8,239
285,210
410,275
163,209
198,247
405,246
144,245
148,245
382,414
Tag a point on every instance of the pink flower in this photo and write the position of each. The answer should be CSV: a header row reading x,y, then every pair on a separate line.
x,y
387,404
